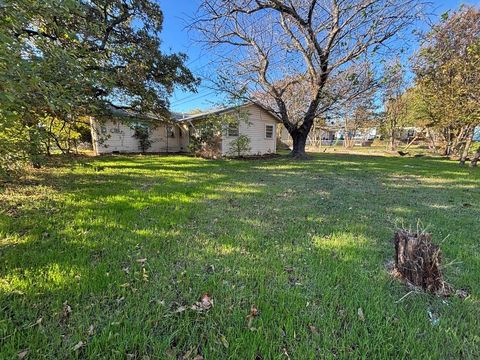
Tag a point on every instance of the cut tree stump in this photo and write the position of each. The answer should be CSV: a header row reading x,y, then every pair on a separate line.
x,y
418,262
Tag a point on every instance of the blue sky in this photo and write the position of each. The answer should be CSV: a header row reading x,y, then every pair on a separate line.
x,y
176,39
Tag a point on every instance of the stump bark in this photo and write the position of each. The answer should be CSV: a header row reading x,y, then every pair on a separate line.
x,y
418,261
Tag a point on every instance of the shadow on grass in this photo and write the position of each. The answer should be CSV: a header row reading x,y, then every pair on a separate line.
x,y
304,241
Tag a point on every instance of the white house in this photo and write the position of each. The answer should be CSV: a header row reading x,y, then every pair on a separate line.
x,y
116,135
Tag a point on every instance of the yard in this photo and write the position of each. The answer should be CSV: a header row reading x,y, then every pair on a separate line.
x,y
104,257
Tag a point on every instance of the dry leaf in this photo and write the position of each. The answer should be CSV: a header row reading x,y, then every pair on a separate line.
x,y
360,314
180,309
79,345
313,329
67,310
91,330
142,261
205,303
253,313
187,354
198,357
22,354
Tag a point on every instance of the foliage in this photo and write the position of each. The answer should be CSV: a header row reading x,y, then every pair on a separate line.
x,y
206,139
395,107
304,243
448,80
68,59
240,146
142,133
207,135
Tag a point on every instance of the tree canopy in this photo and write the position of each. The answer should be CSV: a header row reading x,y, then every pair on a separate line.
x,y
66,59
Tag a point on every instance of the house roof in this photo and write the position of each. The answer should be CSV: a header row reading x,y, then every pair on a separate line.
x,y
184,117
206,114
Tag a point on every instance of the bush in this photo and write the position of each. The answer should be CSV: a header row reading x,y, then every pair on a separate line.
x,y
142,133
240,146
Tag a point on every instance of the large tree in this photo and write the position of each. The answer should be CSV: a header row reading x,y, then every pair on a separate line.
x,y
395,107
271,46
66,58
448,79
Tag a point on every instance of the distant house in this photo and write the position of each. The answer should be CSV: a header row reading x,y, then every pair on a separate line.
x,y
332,134
476,134
116,135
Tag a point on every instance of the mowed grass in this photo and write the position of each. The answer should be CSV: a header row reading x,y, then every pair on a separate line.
x,y
127,243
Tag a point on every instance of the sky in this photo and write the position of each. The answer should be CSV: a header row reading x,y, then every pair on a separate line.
x,y
176,38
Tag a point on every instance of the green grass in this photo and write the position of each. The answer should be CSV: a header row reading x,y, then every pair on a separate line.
x,y
305,242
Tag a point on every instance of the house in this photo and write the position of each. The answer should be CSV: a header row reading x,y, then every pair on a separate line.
x,y
331,135
117,134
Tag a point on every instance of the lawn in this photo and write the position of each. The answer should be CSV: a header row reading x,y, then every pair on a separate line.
x,y
103,258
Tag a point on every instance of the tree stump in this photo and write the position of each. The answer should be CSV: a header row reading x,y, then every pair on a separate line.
x,y
418,261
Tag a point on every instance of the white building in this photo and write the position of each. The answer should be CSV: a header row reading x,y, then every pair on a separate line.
x,y
116,135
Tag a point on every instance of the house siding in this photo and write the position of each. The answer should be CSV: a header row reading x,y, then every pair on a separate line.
x,y
254,128
114,136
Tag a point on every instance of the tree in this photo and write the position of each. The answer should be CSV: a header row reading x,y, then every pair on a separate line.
x,y
74,58
142,133
395,107
448,80
276,45
240,146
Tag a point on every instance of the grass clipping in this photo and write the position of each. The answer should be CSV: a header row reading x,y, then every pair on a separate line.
x,y
418,262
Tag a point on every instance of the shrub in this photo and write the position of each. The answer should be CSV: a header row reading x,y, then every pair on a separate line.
x,y
240,146
142,133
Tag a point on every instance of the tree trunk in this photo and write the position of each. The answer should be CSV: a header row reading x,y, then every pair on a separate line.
x,y
392,141
466,148
432,139
299,143
476,157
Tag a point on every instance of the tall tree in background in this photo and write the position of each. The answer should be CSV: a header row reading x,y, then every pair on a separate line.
x,y
275,45
395,107
64,59
448,79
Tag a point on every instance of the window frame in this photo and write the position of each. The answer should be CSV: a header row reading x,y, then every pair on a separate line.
x,y
237,124
273,131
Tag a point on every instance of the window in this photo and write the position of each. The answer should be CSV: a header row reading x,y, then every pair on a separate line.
x,y
269,131
233,129
170,131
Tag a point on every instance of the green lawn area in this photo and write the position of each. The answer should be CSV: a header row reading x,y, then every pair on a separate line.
x,y
126,243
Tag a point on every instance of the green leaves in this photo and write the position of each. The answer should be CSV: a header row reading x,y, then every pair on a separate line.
x,y
70,59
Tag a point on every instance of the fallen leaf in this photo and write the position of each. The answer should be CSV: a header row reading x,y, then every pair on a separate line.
x,y
205,303
142,261
79,345
22,354
462,293
224,341
361,316
253,313
66,312
187,354
91,330
180,309
313,329
198,357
